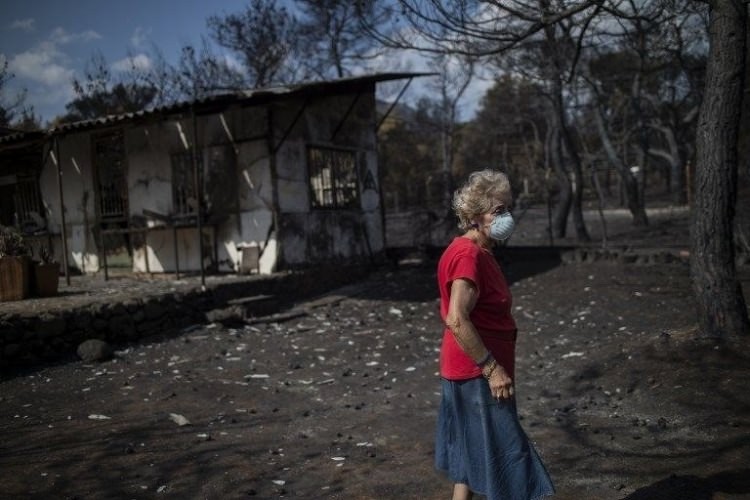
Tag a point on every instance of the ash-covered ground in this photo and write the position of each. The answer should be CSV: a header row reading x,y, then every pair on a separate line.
x,y
620,397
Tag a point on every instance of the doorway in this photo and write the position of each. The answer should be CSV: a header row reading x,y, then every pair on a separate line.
x,y
110,166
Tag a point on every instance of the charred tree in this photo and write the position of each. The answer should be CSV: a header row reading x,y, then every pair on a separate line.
x,y
566,151
629,182
722,311
577,184
559,219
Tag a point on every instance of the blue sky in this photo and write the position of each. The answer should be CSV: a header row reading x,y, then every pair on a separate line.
x,y
47,43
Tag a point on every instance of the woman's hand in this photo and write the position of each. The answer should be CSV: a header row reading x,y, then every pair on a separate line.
x,y
501,385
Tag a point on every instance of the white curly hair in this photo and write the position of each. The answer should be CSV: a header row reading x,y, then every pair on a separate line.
x,y
479,194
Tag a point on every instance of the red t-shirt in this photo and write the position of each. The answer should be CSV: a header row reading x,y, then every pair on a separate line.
x,y
491,315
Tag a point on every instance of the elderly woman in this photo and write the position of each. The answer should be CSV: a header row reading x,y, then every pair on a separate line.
x,y
480,443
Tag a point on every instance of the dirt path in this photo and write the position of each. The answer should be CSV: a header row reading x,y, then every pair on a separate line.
x,y
341,403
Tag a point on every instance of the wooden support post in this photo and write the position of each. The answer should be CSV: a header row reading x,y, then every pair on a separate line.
x,y
198,195
549,219
63,229
145,252
103,250
176,254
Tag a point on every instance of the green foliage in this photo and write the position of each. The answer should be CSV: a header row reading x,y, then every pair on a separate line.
x,y
200,73
508,133
12,243
13,111
332,36
6,112
118,100
650,104
101,94
28,120
273,44
45,255
409,154
264,35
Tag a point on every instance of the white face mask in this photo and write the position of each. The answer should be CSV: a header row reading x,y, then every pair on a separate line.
x,y
502,226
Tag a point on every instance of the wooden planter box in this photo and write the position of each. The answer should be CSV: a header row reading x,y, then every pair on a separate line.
x,y
45,279
15,274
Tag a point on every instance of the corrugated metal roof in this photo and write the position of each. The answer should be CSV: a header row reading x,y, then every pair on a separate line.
x,y
21,136
207,104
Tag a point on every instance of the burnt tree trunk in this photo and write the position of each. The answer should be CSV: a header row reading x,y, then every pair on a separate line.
x,y
566,159
721,306
677,183
629,182
676,172
564,194
577,181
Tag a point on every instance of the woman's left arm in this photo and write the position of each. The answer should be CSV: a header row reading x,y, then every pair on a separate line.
x,y
464,296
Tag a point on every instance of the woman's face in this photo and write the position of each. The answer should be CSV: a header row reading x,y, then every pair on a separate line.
x,y
483,221
499,206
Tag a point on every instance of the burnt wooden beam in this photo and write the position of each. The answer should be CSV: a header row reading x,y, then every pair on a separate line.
x,y
288,130
58,163
156,215
393,104
199,196
346,115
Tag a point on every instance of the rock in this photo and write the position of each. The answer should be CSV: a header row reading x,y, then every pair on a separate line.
x,y
50,326
148,327
179,419
133,305
9,332
153,310
229,315
100,324
82,320
97,416
11,350
94,350
119,310
122,327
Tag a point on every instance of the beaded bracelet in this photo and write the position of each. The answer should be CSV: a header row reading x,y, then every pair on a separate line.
x,y
487,370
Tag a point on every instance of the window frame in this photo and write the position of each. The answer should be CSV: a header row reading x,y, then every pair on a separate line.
x,y
26,198
112,194
180,206
329,191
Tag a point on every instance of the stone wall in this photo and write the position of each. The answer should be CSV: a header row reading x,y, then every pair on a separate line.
x,y
33,337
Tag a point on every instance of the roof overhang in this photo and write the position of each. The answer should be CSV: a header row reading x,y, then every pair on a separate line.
x,y
213,104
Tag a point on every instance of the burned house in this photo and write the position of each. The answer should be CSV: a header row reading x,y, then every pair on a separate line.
x,y
261,180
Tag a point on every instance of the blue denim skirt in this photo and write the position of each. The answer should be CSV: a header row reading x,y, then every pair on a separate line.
x,y
480,443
